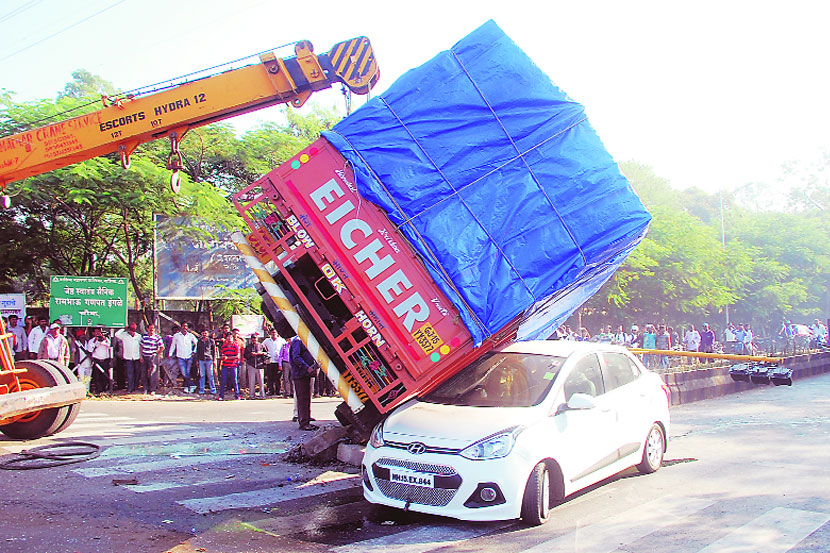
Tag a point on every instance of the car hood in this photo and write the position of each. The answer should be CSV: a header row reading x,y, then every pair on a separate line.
x,y
453,426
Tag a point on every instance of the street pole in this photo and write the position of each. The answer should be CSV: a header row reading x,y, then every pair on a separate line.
x,y
723,241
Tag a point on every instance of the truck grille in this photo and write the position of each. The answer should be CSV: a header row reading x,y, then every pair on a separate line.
x,y
416,494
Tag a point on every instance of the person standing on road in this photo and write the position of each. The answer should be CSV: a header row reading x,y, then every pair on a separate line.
x,y
285,365
303,368
36,336
205,354
100,349
241,376
663,342
152,345
256,357
691,341
182,347
131,354
229,353
54,346
707,339
21,341
273,372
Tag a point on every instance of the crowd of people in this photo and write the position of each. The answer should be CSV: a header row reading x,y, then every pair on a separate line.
x,y
735,338
207,363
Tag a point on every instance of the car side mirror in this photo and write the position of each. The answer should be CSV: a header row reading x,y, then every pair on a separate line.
x,y
578,402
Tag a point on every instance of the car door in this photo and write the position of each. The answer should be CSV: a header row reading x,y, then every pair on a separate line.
x,y
627,400
583,436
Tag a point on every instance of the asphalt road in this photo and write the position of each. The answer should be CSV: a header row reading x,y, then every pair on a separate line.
x,y
747,473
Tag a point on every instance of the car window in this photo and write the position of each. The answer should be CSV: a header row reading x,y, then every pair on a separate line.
x,y
585,378
619,370
500,380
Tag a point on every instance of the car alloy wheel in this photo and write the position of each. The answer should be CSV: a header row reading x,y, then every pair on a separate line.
x,y
653,450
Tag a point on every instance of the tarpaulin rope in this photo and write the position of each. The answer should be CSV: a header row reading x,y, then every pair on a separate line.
x,y
521,155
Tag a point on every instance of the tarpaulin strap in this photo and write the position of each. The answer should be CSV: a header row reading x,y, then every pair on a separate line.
x,y
521,155
433,262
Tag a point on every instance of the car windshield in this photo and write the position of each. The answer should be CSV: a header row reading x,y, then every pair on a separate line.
x,y
500,380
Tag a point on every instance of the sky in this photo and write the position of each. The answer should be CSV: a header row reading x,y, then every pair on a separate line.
x,y
710,94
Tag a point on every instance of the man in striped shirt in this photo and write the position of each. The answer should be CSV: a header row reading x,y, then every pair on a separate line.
x,y
151,347
229,352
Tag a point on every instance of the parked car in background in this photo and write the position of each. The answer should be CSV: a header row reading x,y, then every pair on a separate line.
x,y
518,431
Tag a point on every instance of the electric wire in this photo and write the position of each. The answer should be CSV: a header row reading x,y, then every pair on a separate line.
x,y
99,12
19,10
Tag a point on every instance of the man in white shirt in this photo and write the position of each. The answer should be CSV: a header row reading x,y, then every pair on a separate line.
x,y
182,348
273,372
21,342
36,336
131,352
100,348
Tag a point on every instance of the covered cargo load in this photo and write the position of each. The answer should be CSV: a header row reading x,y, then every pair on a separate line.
x,y
499,182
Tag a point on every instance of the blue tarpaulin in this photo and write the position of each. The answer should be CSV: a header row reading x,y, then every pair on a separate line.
x,y
499,182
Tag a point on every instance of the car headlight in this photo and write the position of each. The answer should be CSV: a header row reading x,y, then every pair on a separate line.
x,y
376,437
493,447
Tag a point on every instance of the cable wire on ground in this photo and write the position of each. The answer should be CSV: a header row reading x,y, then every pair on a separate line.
x,y
52,455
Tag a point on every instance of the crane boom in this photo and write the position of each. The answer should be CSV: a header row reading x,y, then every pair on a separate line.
x,y
127,123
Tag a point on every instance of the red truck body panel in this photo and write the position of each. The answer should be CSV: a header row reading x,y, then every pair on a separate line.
x,y
371,302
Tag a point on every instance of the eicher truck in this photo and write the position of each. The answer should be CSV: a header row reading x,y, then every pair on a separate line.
x,y
470,205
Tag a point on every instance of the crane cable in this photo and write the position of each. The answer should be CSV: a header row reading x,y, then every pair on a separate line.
x,y
153,88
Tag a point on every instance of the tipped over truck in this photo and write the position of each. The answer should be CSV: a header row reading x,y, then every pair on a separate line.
x,y
470,205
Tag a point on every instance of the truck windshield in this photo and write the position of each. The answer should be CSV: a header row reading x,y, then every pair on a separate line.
x,y
500,380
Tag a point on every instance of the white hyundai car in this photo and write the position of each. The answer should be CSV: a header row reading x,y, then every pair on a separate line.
x,y
518,431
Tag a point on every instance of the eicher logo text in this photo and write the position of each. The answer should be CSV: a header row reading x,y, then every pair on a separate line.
x,y
372,255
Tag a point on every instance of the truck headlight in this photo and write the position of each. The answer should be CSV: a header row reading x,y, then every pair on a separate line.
x,y
376,437
493,447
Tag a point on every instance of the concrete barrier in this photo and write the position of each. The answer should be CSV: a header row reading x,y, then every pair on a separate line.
x,y
706,383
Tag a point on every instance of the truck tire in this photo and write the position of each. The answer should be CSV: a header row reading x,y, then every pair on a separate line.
x,y
70,378
39,423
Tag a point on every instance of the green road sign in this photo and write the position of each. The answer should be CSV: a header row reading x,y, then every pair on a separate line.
x,y
88,301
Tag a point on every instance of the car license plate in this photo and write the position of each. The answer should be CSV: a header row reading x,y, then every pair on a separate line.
x,y
412,478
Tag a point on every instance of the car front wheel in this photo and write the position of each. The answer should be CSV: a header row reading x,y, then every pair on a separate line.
x,y
653,450
536,501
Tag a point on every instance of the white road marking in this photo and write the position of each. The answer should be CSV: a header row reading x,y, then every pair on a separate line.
x,y
609,534
417,540
776,531
269,496
137,468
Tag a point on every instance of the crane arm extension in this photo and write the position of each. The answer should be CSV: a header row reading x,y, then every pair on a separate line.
x,y
170,113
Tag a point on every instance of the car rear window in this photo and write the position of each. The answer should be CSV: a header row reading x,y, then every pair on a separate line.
x,y
500,380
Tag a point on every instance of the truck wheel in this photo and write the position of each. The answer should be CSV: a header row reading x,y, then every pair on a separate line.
x,y
45,421
70,378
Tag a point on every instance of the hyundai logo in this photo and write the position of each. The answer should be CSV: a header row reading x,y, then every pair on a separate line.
x,y
416,448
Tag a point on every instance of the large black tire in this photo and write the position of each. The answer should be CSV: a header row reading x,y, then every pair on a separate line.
x,y
74,408
653,450
46,421
536,503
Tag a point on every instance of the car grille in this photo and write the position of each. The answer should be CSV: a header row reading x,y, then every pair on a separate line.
x,y
442,470
416,494
447,483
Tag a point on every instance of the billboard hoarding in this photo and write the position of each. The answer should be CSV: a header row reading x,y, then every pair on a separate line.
x,y
195,261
